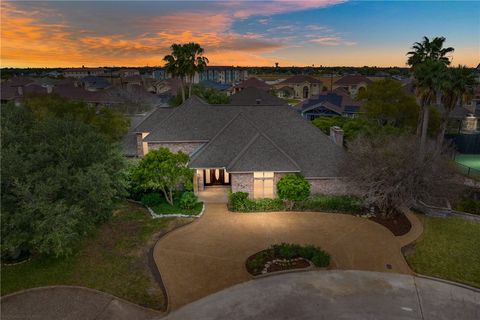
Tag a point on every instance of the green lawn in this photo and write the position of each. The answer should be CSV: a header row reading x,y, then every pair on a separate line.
x,y
448,249
113,260
469,160
293,101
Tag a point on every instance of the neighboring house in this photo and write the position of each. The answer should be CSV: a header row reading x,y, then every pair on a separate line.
x,y
252,83
93,83
254,96
82,72
248,148
299,87
215,85
331,103
352,83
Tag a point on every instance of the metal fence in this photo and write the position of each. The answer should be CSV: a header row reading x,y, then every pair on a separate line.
x,y
468,171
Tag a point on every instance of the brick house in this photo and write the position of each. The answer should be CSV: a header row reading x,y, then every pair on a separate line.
x,y
299,87
248,148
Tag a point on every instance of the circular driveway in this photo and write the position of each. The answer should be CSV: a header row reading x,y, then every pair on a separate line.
x,y
209,254
356,295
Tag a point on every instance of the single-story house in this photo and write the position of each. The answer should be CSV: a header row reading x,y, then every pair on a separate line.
x,y
254,96
330,103
248,148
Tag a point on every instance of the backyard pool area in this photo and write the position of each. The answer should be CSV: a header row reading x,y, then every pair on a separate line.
x,y
469,160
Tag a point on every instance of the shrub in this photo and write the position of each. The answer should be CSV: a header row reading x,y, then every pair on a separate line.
x,y
152,199
188,200
321,259
308,251
331,203
293,188
469,205
238,201
286,250
268,205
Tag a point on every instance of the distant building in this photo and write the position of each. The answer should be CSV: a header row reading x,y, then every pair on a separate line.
x,y
328,104
252,96
353,83
222,74
82,72
252,83
160,74
299,87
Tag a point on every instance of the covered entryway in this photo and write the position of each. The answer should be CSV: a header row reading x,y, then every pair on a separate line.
x,y
305,92
216,177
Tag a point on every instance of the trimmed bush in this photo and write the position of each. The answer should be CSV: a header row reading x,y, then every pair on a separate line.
x,y
321,259
188,200
346,204
468,205
240,202
293,188
152,199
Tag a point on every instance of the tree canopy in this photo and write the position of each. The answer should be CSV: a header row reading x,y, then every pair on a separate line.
x,y
60,176
162,171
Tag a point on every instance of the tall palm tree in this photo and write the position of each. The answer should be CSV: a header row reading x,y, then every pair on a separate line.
x,y
457,87
429,76
429,50
196,62
176,65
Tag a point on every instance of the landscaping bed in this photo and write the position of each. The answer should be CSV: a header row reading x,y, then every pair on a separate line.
x,y
113,259
165,208
284,256
398,225
448,249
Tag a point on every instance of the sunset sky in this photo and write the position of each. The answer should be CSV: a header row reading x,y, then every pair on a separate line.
x,y
248,33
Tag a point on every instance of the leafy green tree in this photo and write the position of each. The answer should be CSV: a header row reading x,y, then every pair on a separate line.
x,y
60,178
292,188
108,122
162,170
386,102
210,95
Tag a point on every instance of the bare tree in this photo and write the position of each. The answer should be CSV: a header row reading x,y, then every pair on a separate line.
x,y
386,172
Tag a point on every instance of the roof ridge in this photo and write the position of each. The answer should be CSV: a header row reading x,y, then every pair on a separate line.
x,y
240,154
162,121
272,142
215,137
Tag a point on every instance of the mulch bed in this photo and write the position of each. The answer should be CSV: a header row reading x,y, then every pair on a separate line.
x,y
295,263
398,225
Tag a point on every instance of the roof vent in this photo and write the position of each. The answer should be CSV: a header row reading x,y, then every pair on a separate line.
x,y
258,101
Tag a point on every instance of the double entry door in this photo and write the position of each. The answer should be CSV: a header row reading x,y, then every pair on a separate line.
x,y
215,177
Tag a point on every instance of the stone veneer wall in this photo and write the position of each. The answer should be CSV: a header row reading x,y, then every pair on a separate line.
x,y
330,186
242,182
185,147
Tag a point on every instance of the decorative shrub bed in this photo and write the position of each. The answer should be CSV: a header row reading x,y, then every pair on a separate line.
x,y
286,256
346,204
185,203
239,202
468,205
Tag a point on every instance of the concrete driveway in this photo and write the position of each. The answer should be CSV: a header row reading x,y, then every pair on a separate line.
x,y
209,254
339,295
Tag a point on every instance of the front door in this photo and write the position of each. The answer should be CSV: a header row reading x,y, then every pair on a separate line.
x,y
215,177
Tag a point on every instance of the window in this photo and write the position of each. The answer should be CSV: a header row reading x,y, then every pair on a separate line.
x,y
263,184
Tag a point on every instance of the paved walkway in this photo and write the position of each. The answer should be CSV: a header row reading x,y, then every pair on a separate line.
x,y
71,303
214,194
339,295
209,254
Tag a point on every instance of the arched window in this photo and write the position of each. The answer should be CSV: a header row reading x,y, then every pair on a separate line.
x,y
305,92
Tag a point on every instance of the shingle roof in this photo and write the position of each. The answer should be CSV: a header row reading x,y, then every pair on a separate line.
x,y
254,96
254,82
229,128
300,79
353,79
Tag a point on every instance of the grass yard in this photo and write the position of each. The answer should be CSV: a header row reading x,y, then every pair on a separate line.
x,y
165,208
113,260
469,160
293,102
449,249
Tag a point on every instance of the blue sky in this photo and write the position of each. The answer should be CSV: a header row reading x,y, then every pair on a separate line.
x,y
320,32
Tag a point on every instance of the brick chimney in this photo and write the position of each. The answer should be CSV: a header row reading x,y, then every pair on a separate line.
x,y
142,146
336,134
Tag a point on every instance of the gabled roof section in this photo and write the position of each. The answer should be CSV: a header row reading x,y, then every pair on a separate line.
x,y
254,83
353,79
301,79
253,96
153,120
262,154
226,144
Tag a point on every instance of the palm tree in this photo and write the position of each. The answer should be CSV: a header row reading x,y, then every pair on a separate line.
x,y
176,64
196,62
429,76
429,50
457,87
